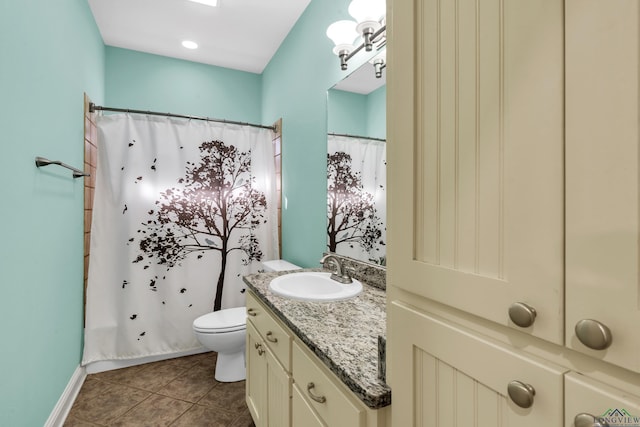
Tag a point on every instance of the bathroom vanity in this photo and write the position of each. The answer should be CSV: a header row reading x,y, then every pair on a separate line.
x,y
314,364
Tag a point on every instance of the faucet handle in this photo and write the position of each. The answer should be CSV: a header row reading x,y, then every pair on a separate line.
x,y
341,275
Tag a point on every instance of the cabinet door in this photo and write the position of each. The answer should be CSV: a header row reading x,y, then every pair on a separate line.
x,y
445,376
278,393
476,172
603,214
586,396
268,385
256,383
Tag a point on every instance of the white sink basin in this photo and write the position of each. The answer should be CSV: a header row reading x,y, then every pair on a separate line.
x,y
313,286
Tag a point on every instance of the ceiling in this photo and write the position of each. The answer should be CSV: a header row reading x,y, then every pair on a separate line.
x,y
237,34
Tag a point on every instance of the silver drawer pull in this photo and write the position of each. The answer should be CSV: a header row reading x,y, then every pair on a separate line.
x,y
588,420
593,334
522,314
251,312
522,394
270,337
319,399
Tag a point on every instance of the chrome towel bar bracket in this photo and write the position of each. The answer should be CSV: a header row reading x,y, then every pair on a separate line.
x,y
77,173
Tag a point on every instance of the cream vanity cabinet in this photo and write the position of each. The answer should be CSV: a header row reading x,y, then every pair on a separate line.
x,y
288,386
514,210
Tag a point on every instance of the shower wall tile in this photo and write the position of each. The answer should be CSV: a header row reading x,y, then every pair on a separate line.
x,y
90,163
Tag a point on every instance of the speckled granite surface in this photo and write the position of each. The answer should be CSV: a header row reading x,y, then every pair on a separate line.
x,y
343,334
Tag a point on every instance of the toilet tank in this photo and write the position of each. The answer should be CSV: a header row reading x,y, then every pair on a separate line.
x,y
278,265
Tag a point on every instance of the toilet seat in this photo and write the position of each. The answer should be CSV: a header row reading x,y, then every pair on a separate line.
x,y
218,322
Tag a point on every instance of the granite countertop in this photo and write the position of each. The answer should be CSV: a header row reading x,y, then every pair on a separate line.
x,y
343,334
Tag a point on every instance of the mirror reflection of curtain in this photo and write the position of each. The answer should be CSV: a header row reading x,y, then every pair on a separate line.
x,y
356,197
183,209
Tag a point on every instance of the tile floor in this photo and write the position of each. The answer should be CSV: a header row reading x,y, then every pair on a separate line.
x,y
178,392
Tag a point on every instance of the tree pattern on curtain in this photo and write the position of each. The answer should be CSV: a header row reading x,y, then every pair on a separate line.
x,y
214,201
352,216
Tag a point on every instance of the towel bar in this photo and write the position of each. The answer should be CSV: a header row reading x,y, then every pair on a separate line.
x,y
77,173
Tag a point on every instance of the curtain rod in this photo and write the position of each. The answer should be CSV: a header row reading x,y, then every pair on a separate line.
x,y
93,108
357,136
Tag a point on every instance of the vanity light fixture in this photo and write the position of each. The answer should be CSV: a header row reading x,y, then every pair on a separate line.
x,y
379,63
370,25
343,34
189,44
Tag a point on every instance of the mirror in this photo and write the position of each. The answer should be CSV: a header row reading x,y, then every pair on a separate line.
x,y
356,166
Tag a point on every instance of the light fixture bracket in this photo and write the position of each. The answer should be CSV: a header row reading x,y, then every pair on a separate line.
x,y
375,38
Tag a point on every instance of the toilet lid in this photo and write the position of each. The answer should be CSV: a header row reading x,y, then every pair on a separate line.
x,y
227,320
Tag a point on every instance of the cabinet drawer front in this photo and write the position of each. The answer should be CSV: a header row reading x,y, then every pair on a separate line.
x,y
303,414
339,408
275,336
584,395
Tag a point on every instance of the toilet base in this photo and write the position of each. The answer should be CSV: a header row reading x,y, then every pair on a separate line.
x,y
231,367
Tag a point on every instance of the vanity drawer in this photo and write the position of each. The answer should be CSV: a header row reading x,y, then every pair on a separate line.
x,y
276,337
337,407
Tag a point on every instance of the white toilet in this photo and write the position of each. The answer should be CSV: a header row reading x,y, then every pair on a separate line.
x,y
224,332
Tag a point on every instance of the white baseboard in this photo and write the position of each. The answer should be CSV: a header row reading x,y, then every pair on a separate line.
x,y
62,408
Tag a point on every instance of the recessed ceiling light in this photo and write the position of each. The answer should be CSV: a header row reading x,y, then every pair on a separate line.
x,y
189,44
212,3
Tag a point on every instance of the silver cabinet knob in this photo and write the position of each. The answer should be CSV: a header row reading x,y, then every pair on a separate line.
x,y
522,314
593,334
521,393
258,347
588,420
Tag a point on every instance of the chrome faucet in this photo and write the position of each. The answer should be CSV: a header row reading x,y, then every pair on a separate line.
x,y
341,275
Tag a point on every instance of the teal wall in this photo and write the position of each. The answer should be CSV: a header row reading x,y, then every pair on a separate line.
x,y
356,114
347,113
377,113
143,81
294,87
51,54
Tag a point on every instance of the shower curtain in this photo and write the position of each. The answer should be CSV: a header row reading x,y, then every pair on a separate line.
x,y
356,197
182,210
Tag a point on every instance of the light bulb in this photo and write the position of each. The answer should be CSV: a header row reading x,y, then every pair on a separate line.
x,y
367,10
343,34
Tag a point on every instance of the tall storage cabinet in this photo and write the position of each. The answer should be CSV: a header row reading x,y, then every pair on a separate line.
x,y
513,131
603,188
